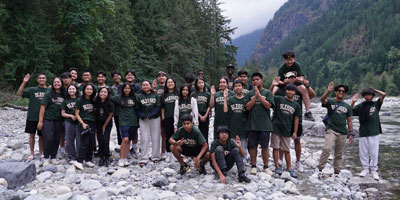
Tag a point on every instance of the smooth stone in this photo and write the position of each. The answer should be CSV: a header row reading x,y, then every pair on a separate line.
x,y
279,183
17,173
100,195
44,176
71,170
167,195
91,185
372,193
62,190
311,163
35,197
290,187
161,181
264,176
3,182
50,168
286,175
168,172
327,171
249,196
345,174
334,194
121,173
17,156
65,196
147,194
6,194
252,187
368,182
81,197
15,144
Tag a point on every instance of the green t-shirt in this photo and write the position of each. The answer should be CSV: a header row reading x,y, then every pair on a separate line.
x,y
35,96
192,139
337,120
284,113
228,146
127,115
221,118
230,82
297,97
203,101
372,126
69,106
207,87
247,88
168,103
259,117
295,68
185,107
53,106
237,116
147,102
86,109
80,88
160,90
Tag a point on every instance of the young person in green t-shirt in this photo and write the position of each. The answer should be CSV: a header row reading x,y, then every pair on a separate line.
x,y
200,74
72,131
67,81
86,79
148,106
243,76
203,104
235,106
291,66
286,121
50,120
158,87
74,75
337,132
128,121
84,113
116,77
230,70
189,141
217,101
35,96
370,128
186,104
104,110
225,152
259,101
171,94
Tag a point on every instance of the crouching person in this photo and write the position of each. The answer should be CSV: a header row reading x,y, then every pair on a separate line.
x,y
189,141
225,152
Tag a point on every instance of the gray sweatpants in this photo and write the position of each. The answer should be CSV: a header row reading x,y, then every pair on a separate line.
x,y
73,138
226,161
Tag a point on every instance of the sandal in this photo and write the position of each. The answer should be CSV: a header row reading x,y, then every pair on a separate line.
x,y
30,158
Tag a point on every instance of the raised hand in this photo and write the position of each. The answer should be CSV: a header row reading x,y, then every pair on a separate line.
x,y
154,85
226,93
237,141
330,86
276,80
26,78
355,98
212,89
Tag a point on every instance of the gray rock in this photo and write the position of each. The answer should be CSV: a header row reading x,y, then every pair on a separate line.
x,y
311,163
22,194
81,197
345,174
279,183
249,196
148,194
372,193
334,194
44,176
6,194
285,175
100,195
17,173
289,187
3,182
62,190
17,156
168,172
368,182
65,196
35,197
167,195
15,144
50,168
161,181
91,185
121,173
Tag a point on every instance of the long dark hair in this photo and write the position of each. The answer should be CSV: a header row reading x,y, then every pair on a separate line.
x,y
53,90
105,105
124,98
195,94
91,96
166,88
180,92
76,94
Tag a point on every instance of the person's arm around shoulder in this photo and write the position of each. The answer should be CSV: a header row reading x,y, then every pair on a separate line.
x,y
326,94
22,86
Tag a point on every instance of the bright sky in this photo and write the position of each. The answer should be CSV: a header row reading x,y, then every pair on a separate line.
x,y
249,15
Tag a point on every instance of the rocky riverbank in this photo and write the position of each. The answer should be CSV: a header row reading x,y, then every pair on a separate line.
x,y
60,180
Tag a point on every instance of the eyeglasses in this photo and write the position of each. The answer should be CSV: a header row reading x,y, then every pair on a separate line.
x,y
341,91
292,77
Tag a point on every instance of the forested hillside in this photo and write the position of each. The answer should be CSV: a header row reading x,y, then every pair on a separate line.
x,y
354,42
177,36
246,44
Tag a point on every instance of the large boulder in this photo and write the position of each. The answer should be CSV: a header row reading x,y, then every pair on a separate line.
x,y
314,128
17,173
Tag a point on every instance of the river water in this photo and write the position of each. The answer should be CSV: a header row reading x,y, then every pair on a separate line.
x,y
389,148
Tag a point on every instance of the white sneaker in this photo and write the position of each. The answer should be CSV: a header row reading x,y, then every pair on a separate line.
x,y
163,156
375,175
121,163
253,170
363,173
78,165
299,166
89,164
267,171
126,163
168,157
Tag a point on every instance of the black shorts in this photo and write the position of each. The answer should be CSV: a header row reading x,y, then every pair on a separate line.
x,y
191,151
31,128
258,137
128,131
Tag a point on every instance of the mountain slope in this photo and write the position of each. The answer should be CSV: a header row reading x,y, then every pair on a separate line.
x,y
246,44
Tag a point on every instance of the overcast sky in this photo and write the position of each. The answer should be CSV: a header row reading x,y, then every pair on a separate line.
x,y
249,15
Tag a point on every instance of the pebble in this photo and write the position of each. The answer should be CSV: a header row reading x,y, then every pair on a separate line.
x,y
91,185
286,175
50,168
3,182
44,176
62,190
121,173
249,196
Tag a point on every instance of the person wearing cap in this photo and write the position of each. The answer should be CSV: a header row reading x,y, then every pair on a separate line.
x,y
370,128
230,69
259,101
243,76
291,66
286,122
337,132
225,152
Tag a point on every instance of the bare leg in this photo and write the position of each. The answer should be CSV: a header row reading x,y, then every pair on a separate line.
x,y
297,147
205,159
176,151
32,144
253,155
265,155
306,98
275,153
288,161
124,148
281,154
40,145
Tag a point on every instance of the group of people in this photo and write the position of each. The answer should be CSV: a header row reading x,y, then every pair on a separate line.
x,y
69,116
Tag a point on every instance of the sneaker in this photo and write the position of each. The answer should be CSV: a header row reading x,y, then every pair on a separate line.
x,y
253,170
279,171
299,166
133,153
202,170
168,157
292,173
363,173
308,116
184,169
375,175
163,156
267,171
126,163
89,164
121,163
78,165
30,158
243,178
